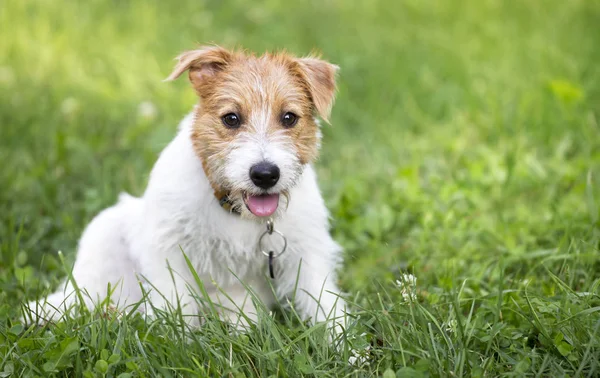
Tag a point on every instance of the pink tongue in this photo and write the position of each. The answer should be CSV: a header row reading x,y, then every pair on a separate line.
x,y
263,205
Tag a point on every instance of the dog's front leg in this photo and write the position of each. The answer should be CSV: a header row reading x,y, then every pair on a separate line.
x,y
171,285
312,272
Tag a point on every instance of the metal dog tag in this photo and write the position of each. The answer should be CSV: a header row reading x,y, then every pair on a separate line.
x,y
271,265
271,255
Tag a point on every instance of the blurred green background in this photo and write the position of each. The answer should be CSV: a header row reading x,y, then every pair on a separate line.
x,y
464,144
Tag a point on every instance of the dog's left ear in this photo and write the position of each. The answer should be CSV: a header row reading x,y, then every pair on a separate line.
x,y
320,77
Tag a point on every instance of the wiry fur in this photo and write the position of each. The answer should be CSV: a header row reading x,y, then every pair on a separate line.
x,y
179,211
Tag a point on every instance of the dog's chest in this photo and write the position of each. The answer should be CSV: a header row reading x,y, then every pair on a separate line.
x,y
225,258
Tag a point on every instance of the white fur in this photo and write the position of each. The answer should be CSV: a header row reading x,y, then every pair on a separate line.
x,y
141,237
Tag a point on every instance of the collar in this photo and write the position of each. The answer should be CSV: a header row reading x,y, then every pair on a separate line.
x,y
226,203
222,197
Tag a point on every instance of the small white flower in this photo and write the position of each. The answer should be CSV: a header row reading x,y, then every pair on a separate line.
x,y
359,358
147,110
450,326
408,287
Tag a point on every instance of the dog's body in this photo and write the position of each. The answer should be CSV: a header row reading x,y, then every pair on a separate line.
x,y
180,212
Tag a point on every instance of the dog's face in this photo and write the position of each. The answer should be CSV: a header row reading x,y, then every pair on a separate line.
x,y
255,128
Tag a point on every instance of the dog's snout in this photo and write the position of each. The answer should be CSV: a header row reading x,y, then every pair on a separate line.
x,y
264,175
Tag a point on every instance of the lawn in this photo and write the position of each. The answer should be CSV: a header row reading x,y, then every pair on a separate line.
x,y
464,149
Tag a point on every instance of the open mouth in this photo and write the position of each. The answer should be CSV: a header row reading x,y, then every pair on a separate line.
x,y
262,205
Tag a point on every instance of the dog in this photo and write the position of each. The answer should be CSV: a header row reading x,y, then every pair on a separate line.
x,y
234,196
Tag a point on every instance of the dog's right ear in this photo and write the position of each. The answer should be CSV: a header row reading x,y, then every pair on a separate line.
x,y
202,64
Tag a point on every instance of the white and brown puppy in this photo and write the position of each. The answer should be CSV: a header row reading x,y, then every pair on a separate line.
x,y
242,156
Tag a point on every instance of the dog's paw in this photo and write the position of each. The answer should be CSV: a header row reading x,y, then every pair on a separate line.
x,y
151,316
38,313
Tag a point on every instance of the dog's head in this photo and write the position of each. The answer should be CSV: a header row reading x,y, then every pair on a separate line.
x,y
255,128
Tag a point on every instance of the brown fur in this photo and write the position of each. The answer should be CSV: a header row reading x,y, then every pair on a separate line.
x,y
233,81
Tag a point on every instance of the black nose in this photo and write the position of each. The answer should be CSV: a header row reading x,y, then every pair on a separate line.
x,y
264,175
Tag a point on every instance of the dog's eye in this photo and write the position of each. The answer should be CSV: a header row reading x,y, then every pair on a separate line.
x,y
231,120
289,119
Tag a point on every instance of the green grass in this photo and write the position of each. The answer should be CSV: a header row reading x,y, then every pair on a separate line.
x,y
465,149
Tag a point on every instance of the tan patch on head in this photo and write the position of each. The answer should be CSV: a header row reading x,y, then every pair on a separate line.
x,y
210,144
260,90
